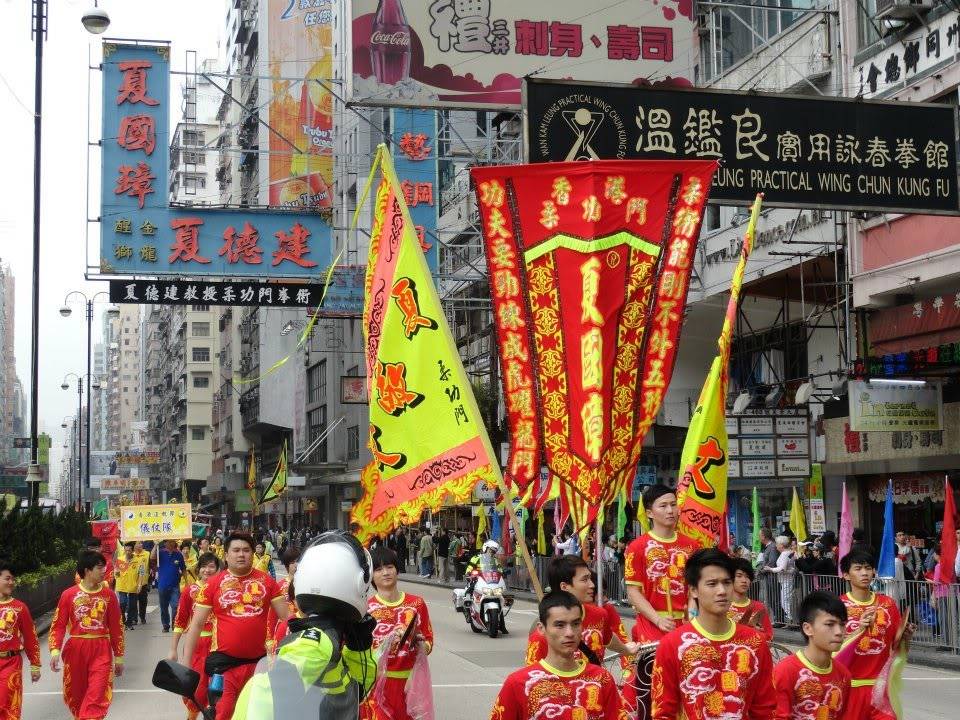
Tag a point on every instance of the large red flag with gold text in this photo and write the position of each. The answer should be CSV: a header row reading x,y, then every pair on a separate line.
x,y
589,268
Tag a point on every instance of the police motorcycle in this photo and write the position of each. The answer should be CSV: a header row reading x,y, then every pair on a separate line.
x,y
485,602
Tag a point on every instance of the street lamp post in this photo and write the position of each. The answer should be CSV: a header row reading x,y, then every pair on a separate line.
x,y
65,385
64,425
94,25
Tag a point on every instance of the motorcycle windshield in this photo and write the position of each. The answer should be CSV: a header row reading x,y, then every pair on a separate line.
x,y
277,691
489,564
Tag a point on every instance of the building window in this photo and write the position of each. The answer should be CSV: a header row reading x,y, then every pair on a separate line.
x,y
200,329
197,433
866,24
353,442
126,341
192,137
201,381
354,371
317,424
201,354
200,308
317,382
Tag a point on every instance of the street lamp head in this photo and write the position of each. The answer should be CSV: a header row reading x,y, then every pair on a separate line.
x,y
113,312
65,311
63,425
95,20
64,385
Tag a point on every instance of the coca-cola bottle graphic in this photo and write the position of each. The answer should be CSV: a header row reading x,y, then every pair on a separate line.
x,y
390,43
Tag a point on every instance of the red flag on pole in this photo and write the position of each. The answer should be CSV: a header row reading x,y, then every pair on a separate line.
x,y
948,536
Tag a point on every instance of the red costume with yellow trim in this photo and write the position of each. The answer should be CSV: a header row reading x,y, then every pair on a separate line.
x,y
871,651
807,692
180,624
17,635
95,643
711,677
656,565
541,691
751,610
596,632
401,659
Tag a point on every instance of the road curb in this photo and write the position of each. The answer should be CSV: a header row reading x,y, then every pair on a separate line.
x,y
926,657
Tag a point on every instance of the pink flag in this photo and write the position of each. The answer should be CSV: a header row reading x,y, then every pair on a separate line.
x,y
846,528
948,537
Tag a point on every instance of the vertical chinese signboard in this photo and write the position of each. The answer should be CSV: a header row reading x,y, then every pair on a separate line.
x,y
299,45
474,53
415,160
140,233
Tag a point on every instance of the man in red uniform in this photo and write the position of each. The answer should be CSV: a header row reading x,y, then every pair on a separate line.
x,y
563,685
571,574
395,612
712,668
238,598
17,635
743,610
809,684
654,568
208,565
873,621
94,652
95,544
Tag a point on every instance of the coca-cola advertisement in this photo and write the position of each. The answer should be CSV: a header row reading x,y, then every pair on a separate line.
x,y
301,110
474,53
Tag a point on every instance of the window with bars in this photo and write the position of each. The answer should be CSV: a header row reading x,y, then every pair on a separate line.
x,y
353,442
317,382
201,354
317,424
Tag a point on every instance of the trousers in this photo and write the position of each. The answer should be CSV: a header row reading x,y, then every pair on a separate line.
x,y
169,599
233,681
11,687
199,659
860,706
386,702
88,677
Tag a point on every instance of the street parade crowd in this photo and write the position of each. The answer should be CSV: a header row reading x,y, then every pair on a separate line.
x,y
339,624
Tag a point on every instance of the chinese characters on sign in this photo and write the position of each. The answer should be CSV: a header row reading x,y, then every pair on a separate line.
x,y
416,163
767,444
822,152
140,233
155,522
186,292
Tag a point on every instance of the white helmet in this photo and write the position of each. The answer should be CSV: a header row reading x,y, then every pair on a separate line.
x,y
333,577
491,545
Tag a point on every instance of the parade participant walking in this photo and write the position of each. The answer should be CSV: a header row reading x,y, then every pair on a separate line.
x,y
290,557
809,684
571,574
129,574
654,569
91,657
261,559
17,636
729,663
562,684
873,621
170,566
403,631
743,610
146,580
207,567
238,599
190,558
95,544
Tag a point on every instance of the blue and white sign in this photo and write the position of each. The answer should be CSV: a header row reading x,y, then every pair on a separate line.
x,y
415,160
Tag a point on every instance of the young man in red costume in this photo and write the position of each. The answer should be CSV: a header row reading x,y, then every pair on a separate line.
x,y
563,684
873,621
809,684
712,668
743,610
655,563
17,636
394,612
90,612
571,574
238,598
208,565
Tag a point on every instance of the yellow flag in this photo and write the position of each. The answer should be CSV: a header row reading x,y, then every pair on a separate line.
x,y
252,479
481,525
426,434
798,521
702,487
278,483
541,536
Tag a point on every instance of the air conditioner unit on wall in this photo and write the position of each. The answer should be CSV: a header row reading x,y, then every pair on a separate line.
x,y
902,9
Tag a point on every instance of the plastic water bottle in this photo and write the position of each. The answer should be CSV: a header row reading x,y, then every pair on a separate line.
x,y
215,689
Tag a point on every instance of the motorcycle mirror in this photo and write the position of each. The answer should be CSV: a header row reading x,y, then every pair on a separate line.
x,y
176,678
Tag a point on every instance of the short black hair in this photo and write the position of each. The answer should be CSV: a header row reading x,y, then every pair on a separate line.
x,y
856,556
555,599
129,544
821,601
704,558
185,543
239,536
6,566
743,565
290,556
383,556
93,542
654,493
563,568
206,559
88,560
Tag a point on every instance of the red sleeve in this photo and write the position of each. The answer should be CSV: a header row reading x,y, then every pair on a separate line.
x,y
763,701
424,625
783,683
767,629
281,631
184,610
612,705
536,648
616,622
895,620
29,634
508,705
61,616
274,590
665,683
114,625
633,559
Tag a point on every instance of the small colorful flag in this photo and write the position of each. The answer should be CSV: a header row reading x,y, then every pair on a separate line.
x,y
755,511
278,483
886,564
948,537
845,541
798,521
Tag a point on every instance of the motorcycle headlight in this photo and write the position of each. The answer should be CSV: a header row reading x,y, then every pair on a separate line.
x,y
488,591
497,591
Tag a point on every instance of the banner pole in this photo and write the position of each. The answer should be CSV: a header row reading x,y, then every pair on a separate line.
x,y
598,560
521,540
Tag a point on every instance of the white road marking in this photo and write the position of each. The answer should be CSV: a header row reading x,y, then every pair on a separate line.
x,y
930,678
475,685
115,691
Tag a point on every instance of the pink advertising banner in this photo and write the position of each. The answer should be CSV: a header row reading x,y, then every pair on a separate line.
x,y
473,53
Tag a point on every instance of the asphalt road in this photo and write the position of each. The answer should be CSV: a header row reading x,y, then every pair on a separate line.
x,y
467,671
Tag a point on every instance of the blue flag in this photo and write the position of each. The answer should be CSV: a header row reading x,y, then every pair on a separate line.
x,y
885,563
495,529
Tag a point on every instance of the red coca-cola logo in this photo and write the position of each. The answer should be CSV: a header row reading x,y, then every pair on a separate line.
x,y
399,37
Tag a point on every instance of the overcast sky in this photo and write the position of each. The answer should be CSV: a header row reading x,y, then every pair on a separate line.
x,y
190,25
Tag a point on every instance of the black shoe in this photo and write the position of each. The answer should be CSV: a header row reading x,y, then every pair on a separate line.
x,y
166,630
